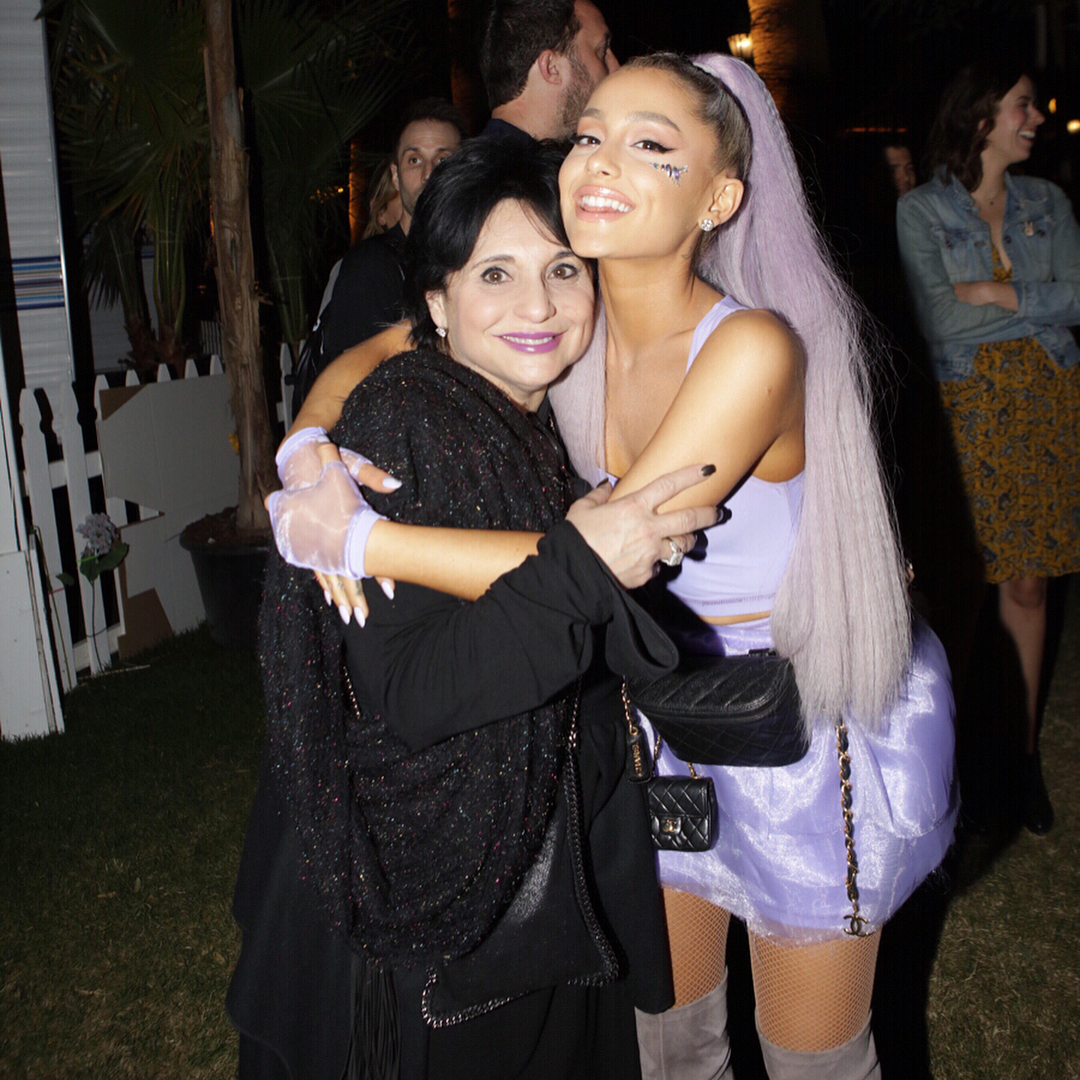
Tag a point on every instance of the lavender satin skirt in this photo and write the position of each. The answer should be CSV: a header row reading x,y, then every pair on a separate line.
x,y
778,861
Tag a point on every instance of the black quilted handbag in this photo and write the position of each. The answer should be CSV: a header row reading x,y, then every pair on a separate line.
x,y
726,710
682,809
682,812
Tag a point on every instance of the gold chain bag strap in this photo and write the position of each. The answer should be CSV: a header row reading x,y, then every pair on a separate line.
x,y
682,809
856,924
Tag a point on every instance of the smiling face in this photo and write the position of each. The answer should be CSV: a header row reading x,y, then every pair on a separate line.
x,y
519,312
642,176
1013,134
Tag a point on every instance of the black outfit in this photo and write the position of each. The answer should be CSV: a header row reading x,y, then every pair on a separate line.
x,y
367,294
504,131
497,860
365,290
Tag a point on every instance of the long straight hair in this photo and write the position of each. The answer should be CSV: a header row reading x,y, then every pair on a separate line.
x,y
841,612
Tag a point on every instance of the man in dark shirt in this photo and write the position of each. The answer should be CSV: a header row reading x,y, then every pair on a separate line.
x,y
540,60
367,294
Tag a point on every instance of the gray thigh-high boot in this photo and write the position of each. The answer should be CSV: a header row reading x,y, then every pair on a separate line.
x,y
689,1042
853,1060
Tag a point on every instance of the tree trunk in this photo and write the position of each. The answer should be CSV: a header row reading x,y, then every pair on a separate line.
x,y
236,272
791,54
466,85
144,356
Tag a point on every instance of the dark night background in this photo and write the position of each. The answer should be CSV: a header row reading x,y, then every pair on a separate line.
x,y
888,62
888,59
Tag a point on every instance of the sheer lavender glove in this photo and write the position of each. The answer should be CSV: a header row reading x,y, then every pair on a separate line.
x,y
298,462
324,525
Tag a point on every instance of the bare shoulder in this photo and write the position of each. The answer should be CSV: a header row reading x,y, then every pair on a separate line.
x,y
752,343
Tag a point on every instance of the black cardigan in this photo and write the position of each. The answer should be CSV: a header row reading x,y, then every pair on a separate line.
x,y
294,984
427,668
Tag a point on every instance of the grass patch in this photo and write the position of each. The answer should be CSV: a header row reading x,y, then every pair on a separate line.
x,y
120,843
1004,993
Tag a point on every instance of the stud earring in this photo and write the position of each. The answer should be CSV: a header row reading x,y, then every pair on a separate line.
x,y
441,331
708,225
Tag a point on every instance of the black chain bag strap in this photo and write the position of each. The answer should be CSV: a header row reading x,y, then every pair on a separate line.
x,y
856,923
727,710
682,809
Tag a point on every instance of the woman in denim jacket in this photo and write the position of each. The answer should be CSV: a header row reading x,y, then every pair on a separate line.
x,y
993,264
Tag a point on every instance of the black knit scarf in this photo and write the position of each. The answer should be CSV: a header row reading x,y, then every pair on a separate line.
x,y
416,855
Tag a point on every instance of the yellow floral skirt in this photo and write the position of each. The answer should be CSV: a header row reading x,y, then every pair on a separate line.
x,y
1014,427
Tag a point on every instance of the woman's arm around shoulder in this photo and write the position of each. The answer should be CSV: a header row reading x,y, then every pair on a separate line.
x,y
740,406
434,667
322,407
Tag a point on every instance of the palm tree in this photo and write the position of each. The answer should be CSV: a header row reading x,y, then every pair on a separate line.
x,y
131,98
311,82
128,92
236,271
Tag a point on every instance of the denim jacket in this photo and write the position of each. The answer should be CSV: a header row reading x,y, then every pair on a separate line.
x,y
943,240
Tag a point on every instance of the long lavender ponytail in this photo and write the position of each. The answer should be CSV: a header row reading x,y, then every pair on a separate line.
x,y
841,613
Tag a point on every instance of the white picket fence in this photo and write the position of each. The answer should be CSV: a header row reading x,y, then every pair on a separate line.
x,y
208,481
68,480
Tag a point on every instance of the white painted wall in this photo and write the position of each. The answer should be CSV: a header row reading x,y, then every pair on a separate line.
x,y
28,167
29,698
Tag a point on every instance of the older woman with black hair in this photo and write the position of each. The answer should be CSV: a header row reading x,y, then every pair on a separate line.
x,y
444,823
993,264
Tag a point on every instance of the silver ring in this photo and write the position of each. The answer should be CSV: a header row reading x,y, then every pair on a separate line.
x,y
676,555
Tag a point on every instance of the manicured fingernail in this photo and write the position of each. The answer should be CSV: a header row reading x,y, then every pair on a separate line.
x,y
344,611
359,613
390,484
388,588
329,598
708,470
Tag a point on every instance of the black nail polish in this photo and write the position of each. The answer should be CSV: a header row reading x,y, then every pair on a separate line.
x,y
708,470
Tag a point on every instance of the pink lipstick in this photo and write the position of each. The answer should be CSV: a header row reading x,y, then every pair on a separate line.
x,y
534,342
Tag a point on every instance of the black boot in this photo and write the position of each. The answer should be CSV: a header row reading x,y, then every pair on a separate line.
x,y
1036,813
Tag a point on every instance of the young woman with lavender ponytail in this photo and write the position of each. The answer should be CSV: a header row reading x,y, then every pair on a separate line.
x,y
683,186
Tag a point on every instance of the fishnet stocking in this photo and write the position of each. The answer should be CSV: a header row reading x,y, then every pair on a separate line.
x,y
813,997
697,934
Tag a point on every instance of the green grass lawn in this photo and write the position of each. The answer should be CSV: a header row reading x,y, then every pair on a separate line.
x,y
120,839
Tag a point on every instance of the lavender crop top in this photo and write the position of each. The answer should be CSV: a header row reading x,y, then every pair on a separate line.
x,y
736,566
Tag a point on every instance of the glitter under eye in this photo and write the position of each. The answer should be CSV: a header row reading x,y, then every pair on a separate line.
x,y
673,172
